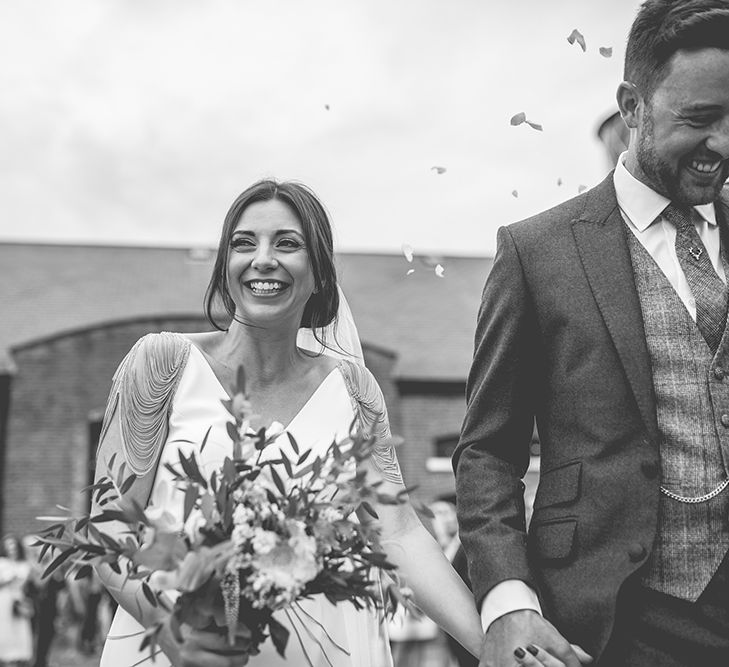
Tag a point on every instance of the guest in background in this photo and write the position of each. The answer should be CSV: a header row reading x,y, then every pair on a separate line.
x,y
43,593
16,609
445,527
86,595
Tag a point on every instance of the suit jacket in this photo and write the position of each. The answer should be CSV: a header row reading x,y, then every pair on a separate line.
x,y
560,338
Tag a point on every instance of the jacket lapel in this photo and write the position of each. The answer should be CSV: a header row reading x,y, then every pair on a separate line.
x,y
600,237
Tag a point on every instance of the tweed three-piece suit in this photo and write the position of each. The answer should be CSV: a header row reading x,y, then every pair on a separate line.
x,y
579,329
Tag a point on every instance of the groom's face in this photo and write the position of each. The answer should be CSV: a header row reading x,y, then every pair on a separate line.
x,y
682,148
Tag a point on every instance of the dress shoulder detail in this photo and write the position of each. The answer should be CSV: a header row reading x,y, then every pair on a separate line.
x,y
371,411
142,391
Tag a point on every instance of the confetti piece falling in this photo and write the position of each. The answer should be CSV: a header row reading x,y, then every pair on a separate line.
x,y
606,51
559,182
408,252
514,193
439,170
439,270
581,188
576,36
520,118
410,272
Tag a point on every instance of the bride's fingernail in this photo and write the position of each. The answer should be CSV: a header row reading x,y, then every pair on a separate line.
x,y
519,652
532,649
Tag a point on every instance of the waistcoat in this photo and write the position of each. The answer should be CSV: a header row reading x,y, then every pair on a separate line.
x,y
692,409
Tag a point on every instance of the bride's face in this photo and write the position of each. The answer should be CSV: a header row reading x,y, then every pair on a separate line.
x,y
269,272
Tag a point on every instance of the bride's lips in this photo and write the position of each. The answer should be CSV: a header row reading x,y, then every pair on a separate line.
x,y
266,288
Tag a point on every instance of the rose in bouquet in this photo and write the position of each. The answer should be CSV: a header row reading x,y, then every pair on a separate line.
x,y
254,537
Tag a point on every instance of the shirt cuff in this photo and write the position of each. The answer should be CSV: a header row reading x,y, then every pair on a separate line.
x,y
507,596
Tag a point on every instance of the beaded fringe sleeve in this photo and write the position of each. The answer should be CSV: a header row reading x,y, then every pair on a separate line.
x,y
142,391
369,406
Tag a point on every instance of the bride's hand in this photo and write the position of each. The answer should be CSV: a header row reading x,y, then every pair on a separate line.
x,y
209,649
200,648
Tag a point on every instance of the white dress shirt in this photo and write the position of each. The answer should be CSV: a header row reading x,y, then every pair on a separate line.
x,y
640,207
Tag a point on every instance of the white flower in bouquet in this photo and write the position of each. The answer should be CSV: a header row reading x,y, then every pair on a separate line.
x,y
274,430
243,515
330,514
163,521
194,526
241,535
193,570
263,541
288,566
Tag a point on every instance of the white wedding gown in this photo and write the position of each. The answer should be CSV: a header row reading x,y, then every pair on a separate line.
x,y
328,413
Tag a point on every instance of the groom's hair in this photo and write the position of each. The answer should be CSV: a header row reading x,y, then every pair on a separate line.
x,y
663,27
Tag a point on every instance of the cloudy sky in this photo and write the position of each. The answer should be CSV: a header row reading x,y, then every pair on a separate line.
x,y
139,121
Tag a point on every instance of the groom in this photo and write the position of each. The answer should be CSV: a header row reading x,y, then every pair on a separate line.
x,y
605,319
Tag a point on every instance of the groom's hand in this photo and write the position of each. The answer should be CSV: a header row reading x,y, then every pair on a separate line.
x,y
527,628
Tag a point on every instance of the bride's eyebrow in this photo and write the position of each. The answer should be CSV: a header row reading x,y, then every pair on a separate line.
x,y
278,232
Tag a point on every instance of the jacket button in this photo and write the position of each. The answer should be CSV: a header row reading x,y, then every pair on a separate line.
x,y
719,373
636,552
650,469
725,420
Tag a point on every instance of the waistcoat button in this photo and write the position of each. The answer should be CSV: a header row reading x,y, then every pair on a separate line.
x,y
725,420
636,552
719,373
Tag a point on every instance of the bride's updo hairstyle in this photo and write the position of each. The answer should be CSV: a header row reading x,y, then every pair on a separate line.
x,y
322,307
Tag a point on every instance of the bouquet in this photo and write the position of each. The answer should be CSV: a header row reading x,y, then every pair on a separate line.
x,y
256,536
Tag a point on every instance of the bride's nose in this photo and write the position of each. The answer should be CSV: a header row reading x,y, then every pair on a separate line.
x,y
265,258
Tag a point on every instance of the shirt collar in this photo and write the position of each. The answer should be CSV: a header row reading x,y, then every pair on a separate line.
x,y
643,205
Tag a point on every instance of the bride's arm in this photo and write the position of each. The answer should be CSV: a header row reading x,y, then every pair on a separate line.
x,y
437,588
128,592
199,648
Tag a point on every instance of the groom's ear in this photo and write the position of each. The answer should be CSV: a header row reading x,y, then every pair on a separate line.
x,y
630,103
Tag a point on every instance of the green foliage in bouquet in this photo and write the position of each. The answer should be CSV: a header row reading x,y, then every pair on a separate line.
x,y
256,536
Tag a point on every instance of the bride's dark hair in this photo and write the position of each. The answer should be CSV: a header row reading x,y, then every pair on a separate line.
x,y
322,307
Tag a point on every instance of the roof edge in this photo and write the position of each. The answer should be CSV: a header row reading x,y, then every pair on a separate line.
x,y
107,324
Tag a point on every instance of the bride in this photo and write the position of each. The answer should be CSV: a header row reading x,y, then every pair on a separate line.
x,y
291,330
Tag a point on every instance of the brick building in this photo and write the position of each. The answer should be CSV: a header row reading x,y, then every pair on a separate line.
x,y
70,313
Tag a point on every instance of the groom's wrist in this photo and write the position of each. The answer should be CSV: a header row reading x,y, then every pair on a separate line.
x,y
506,597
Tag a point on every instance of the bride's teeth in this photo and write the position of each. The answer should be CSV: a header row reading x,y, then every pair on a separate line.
x,y
261,286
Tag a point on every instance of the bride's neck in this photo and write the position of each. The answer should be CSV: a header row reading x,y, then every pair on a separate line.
x,y
268,356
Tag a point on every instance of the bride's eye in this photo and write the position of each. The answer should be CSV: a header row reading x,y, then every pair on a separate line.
x,y
288,243
242,243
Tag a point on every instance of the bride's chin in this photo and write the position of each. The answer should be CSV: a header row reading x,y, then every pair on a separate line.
x,y
268,320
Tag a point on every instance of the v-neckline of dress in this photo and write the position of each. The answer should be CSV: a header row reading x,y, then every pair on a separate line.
x,y
305,405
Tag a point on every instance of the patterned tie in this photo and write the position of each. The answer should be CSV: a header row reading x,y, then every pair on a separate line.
x,y
710,293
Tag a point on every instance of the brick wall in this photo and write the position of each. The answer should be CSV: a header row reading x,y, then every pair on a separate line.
x,y
425,418
60,385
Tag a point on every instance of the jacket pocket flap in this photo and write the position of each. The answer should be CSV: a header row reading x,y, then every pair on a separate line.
x,y
555,540
559,485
